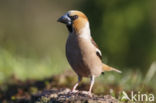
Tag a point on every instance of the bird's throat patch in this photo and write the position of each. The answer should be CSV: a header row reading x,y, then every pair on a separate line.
x,y
70,29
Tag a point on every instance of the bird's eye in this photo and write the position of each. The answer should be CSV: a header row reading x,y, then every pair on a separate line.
x,y
74,17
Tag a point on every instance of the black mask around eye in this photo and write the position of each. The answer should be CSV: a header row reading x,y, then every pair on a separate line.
x,y
73,17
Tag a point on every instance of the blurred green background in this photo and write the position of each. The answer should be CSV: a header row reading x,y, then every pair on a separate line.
x,y
32,43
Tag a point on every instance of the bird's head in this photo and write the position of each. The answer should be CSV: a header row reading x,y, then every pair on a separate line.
x,y
74,19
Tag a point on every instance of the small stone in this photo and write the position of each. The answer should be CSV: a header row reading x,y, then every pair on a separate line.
x,y
53,96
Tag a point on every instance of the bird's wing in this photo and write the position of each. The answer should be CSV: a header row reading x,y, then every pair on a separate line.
x,y
98,52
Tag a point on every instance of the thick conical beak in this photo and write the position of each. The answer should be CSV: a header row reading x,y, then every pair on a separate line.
x,y
65,19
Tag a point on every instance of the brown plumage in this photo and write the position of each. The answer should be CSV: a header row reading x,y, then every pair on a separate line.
x,y
82,52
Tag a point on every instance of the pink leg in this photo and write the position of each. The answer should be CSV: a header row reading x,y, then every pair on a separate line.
x,y
91,85
75,86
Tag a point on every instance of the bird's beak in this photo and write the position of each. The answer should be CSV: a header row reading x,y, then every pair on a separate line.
x,y
65,19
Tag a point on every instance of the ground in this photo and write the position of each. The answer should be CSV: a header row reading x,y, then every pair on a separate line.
x,y
66,96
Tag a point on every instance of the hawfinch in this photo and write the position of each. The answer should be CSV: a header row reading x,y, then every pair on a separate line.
x,y
82,52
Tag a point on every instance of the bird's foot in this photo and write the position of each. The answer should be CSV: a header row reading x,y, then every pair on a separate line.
x,y
88,93
74,91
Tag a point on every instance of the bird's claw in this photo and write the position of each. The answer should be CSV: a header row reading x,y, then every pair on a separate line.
x,y
74,91
87,93
90,94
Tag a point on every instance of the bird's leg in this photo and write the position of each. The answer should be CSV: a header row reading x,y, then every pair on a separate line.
x,y
75,86
91,84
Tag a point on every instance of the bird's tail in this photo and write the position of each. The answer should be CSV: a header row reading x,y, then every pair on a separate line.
x,y
108,68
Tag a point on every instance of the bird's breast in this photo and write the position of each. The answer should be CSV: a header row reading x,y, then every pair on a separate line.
x,y
81,55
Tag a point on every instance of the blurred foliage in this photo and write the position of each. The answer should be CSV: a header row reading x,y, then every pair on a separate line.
x,y
26,68
124,31
32,43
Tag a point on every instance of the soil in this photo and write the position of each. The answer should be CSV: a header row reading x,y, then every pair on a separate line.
x,y
66,96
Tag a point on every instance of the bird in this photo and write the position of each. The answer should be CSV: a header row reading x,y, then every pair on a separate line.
x,y
82,53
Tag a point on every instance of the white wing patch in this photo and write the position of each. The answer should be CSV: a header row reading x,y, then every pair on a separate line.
x,y
98,53
97,50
